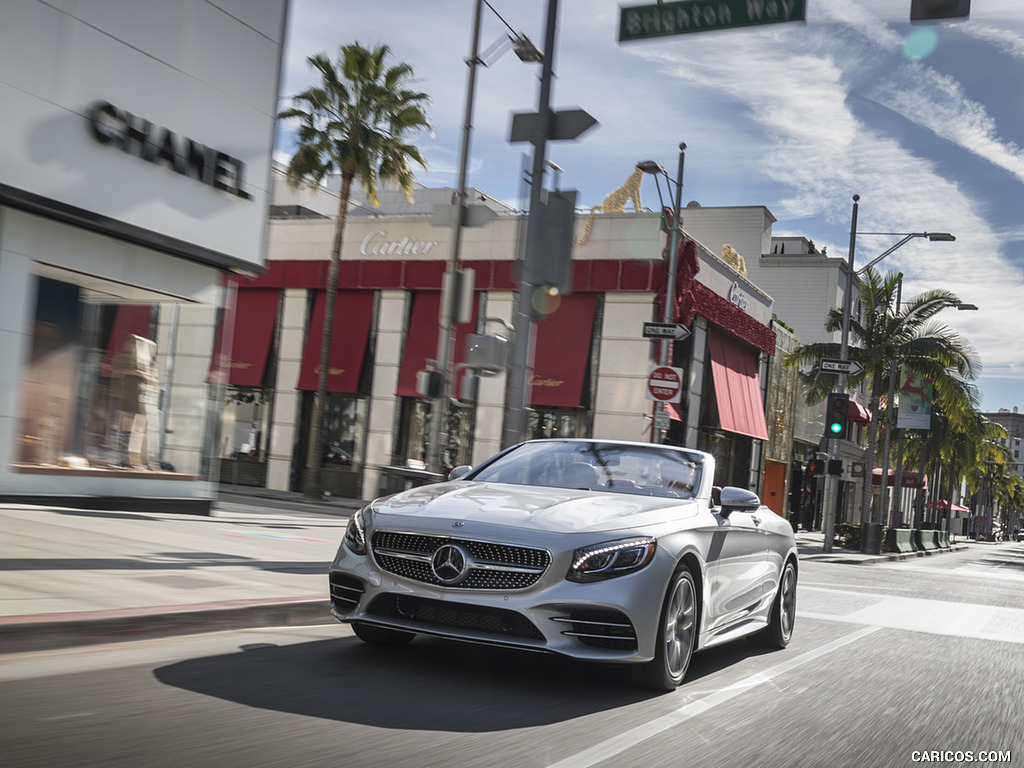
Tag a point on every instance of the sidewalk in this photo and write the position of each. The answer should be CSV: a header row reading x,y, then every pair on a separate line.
x,y
810,545
71,577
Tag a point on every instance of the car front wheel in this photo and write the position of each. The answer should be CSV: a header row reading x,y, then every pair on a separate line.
x,y
780,625
677,634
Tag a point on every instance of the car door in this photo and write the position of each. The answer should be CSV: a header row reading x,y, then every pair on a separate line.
x,y
740,549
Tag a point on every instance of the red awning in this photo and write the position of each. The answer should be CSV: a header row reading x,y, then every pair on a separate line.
x,y
942,504
910,479
242,355
562,351
130,320
858,412
353,313
422,337
734,368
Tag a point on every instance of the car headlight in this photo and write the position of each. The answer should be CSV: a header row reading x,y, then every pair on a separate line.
x,y
355,534
611,559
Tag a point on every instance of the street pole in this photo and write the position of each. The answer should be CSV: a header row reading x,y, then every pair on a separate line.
x,y
445,344
832,481
668,311
522,362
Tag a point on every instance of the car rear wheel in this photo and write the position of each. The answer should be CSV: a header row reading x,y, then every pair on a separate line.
x,y
780,625
677,634
374,635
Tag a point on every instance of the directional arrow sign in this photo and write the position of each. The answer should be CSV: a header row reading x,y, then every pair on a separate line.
x,y
566,124
665,331
845,367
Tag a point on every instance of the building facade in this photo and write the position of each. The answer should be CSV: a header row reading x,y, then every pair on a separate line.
x,y
134,175
590,362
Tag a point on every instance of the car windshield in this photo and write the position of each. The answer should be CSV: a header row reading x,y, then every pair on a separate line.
x,y
595,466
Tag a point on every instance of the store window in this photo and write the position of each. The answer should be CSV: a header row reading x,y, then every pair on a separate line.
x,y
414,434
99,390
244,360
557,422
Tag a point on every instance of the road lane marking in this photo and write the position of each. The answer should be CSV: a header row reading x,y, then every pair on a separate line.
x,y
913,614
629,739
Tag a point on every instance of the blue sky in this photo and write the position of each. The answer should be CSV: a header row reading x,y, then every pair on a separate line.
x,y
924,122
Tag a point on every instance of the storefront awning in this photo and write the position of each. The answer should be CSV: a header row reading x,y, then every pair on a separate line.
x,y
910,478
251,321
130,320
734,369
858,413
943,504
422,337
562,352
353,313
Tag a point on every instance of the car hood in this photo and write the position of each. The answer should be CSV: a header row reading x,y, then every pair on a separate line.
x,y
539,508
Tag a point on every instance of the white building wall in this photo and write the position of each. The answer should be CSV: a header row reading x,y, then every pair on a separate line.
x,y
622,408
283,429
383,403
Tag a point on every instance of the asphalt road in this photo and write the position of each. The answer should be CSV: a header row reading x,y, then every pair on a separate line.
x,y
889,664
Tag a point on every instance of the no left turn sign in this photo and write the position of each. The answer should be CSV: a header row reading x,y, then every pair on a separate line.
x,y
665,384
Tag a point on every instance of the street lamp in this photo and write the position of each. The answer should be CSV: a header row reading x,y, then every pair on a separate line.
x,y
831,483
653,168
527,52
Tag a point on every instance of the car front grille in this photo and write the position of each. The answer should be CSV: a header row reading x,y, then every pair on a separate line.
x,y
346,592
599,628
443,614
489,566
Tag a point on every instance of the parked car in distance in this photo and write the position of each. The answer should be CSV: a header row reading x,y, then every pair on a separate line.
x,y
595,549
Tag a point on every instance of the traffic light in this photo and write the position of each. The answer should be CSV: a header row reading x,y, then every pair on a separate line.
x,y
837,415
816,466
927,10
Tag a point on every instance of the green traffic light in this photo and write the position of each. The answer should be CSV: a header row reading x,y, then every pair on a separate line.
x,y
836,427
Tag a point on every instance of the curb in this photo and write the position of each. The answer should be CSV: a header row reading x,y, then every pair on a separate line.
x,y
44,632
855,557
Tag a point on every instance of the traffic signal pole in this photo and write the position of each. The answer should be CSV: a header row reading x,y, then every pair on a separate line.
x,y
831,500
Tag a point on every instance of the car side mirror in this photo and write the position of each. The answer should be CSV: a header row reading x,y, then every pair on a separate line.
x,y
738,500
459,471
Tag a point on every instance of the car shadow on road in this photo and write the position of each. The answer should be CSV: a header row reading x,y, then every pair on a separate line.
x,y
430,685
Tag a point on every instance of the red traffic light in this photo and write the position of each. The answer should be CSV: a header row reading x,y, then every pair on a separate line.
x,y
816,466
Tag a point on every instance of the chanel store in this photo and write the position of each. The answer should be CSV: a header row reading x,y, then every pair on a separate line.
x,y
134,183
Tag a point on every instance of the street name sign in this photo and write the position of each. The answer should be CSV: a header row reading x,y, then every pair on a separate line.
x,y
642,22
845,367
665,331
665,384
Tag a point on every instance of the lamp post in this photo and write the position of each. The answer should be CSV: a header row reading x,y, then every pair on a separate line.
x,y
832,496
527,52
650,166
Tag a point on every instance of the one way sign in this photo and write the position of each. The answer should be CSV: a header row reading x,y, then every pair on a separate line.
x,y
845,367
665,331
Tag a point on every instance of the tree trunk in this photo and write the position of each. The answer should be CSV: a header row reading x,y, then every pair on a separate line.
x,y
313,485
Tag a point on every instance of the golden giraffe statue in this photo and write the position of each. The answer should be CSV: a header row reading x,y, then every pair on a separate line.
x,y
615,202
732,257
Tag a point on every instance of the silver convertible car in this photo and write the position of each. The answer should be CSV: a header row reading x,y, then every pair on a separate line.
x,y
596,549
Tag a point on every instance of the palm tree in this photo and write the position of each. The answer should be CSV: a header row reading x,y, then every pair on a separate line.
x,y
885,337
353,123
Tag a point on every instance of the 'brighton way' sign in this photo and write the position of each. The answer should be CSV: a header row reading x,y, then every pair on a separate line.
x,y
640,22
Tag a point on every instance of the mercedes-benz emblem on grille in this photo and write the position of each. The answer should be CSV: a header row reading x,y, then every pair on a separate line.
x,y
450,563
